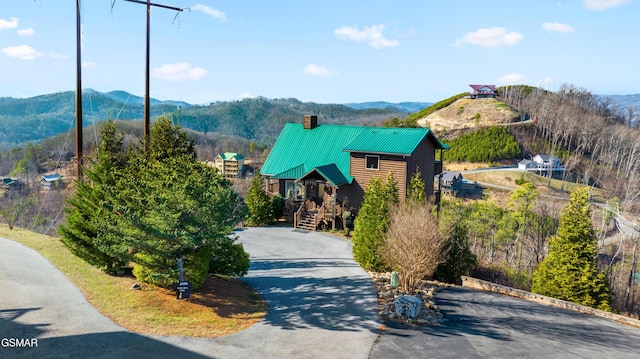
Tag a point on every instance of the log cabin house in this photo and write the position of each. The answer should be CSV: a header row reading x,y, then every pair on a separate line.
x,y
325,169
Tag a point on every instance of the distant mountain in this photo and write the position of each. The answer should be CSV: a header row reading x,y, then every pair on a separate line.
x,y
125,97
409,107
35,118
261,120
257,119
624,101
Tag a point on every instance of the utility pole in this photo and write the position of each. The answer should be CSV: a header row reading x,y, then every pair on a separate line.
x,y
147,107
78,94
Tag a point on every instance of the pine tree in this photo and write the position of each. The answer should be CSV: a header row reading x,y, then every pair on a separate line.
x,y
371,223
570,272
415,191
171,211
156,208
458,258
80,233
260,209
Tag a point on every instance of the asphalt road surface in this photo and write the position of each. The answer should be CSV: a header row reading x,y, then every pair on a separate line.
x,y
321,304
489,325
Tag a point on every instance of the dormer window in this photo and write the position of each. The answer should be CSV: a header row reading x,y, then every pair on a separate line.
x,y
372,162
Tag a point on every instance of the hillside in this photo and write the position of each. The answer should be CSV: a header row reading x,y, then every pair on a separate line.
x,y
261,120
468,113
35,118
256,119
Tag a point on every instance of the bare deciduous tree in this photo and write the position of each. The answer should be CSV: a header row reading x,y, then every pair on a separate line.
x,y
414,245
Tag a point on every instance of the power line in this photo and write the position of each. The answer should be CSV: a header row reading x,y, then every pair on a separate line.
x,y
147,106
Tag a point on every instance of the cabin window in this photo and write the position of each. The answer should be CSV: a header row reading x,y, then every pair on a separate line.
x,y
290,189
372,162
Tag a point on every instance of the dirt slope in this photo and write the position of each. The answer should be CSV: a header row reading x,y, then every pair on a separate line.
x,y
463,114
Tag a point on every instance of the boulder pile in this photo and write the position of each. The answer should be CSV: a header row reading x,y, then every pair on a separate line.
x,y
417,308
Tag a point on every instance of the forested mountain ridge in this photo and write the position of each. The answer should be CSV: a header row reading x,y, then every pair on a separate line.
x,y
257,119
35,118
261,120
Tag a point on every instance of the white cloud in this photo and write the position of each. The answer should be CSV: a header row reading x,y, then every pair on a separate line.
x,y
26,32
557,27
372,35
598,5
181,71
56,56
22,52
216,14
88,64
545,82
245,95
512,79
490,37
12,23
316,70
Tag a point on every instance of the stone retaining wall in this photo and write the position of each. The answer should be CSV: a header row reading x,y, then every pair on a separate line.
x,y
479,284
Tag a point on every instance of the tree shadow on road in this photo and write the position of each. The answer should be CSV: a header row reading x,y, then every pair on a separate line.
x,y
305,292
108,345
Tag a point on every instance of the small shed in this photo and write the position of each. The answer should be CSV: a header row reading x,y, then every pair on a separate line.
x,y
52,181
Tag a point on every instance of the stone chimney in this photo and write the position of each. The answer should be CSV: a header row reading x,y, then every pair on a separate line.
x,y
310,122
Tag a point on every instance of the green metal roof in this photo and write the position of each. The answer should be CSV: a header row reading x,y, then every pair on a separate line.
x,y
231,155
331,173
298,151
395,141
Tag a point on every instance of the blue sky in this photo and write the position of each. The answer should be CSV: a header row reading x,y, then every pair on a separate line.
x,y
322,51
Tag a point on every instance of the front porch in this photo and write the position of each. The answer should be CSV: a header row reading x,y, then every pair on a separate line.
x,y
313,214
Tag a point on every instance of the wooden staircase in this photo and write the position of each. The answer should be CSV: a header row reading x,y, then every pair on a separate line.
x,y
307,221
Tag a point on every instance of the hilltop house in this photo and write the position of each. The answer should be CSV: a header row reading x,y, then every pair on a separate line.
x,y
451,182
320,167
544,163
483,91
230,164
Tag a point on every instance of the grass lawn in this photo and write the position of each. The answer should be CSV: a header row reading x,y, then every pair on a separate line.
x,y
550,187
222,306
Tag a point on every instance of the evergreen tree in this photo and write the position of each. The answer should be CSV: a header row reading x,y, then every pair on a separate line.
x,y
172,211
157,208
391,189
415,192
570,272
169,140
260,209
80,232
459,260
371,223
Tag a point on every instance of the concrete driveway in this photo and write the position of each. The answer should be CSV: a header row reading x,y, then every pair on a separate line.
x,y
321,304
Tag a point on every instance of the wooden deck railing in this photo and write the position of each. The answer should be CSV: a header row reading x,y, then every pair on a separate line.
x,y
298,214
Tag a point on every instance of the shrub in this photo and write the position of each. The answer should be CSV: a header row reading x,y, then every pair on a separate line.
x,y
413,244
228,258
277,206
196,266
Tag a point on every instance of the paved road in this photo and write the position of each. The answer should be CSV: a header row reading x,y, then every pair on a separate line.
x,y
321,304
489,325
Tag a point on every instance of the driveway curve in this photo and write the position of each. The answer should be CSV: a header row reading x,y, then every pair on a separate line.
x,y
321,304
489,325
